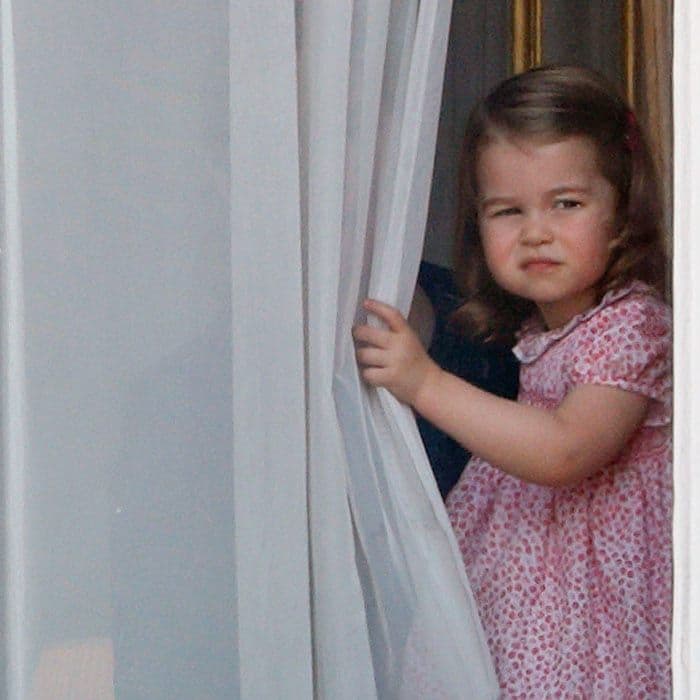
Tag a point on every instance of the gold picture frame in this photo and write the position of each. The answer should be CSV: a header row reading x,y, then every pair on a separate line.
x,y
629,49
526,49
527,31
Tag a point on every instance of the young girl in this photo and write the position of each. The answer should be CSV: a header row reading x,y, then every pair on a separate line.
x,y
563,515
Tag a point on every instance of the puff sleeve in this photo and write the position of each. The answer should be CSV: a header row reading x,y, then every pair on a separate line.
x,y
628,345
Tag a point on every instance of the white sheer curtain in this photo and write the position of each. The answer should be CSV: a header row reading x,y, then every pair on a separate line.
x,y
369,102
202,500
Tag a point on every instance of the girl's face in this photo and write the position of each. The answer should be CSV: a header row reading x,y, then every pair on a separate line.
x,y
547,220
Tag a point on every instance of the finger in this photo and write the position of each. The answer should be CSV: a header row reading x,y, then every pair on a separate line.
x,y
377,337
374,376
391,316
370,357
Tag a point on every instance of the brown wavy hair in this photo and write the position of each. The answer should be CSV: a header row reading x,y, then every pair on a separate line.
x,y
556,102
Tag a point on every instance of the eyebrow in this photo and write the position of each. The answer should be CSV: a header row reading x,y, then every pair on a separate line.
x,y
563,189
494,201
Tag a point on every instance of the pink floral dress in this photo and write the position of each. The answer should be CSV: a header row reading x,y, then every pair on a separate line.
x,y
573,583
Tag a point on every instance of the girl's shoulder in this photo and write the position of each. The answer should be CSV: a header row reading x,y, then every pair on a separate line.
x,y
627,315
639,314
635,317
627,345
623,342
636,297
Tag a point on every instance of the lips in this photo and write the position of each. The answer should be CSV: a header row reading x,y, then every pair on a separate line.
x,y
540,265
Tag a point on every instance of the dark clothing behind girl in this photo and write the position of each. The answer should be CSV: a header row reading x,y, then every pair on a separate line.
x,y
491,367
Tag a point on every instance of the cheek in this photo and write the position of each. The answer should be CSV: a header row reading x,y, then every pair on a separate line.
x,y
496,252
590,261
596,248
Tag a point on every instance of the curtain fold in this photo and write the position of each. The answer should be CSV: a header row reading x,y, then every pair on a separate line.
x,y
269,403
203,499
366,193
13,378
342,659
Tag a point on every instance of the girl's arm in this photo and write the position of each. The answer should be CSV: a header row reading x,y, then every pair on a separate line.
x,y
557,447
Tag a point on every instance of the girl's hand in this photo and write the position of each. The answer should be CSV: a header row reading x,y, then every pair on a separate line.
x,y
393,357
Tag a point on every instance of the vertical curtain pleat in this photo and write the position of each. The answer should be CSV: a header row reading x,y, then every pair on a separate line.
x,y
327,36
13,377
416,616
269,405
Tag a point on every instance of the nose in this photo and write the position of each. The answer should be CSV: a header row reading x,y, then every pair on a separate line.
x,y
535,231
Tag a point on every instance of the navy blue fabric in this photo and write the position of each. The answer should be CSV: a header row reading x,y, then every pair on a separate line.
x,y
491,367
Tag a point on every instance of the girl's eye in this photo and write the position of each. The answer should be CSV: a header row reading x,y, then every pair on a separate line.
x,y
567,204
506,211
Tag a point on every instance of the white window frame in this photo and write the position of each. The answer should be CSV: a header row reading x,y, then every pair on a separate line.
x,y
686,292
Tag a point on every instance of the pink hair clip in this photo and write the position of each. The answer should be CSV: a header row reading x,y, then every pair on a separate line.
x,y
632,136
